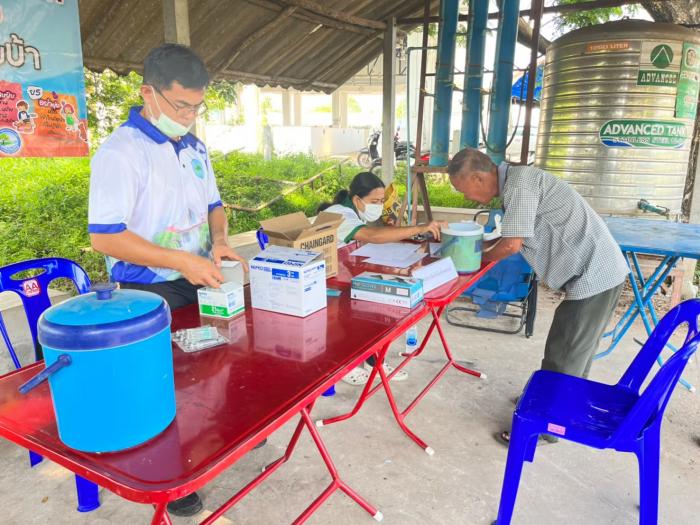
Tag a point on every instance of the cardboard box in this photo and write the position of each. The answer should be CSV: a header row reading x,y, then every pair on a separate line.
x,y
290,338
396,290
296,231
224,302
288,281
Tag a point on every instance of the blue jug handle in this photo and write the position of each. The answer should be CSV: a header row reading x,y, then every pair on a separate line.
x,y
63,361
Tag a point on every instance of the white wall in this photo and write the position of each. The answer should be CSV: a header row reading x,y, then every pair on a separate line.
x,y
317,140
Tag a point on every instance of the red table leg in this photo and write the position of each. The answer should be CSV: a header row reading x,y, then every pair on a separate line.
x,y
267,471
400,416
161,515
337,483
366,394
448,353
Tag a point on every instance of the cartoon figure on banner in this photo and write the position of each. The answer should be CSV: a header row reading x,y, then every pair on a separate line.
x,y
68,113
82,132
25,120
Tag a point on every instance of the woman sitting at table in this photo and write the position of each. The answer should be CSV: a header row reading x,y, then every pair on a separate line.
x,y
363,203
359,205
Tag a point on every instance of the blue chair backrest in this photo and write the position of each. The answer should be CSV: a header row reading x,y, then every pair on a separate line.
x,y
34,291
651,404
491,222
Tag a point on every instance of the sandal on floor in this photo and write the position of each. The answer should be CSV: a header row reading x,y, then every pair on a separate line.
x,y
504,438
356,377
388,369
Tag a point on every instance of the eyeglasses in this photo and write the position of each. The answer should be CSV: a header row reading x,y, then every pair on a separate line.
x,y
183,109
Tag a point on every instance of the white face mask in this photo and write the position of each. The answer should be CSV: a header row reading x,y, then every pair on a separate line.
x,y
372,212
167,125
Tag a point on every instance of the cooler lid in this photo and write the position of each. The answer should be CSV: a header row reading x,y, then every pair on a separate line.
x,y
103,318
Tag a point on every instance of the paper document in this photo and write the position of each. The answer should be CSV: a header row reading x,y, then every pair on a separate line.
x,y
389,249
435,247
396,261
436,274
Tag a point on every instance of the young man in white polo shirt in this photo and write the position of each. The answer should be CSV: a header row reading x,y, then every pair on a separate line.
x,y
155,211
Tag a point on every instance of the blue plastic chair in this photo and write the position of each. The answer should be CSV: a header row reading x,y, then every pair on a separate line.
x,y
33,291
511,282
619,417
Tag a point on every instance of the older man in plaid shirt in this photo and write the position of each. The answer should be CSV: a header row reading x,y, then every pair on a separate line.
x,y
563,239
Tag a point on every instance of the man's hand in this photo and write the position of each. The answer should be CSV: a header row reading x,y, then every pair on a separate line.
x,y
501,248
198,270
224,251
434,228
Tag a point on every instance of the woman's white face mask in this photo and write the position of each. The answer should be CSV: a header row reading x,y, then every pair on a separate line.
x,y
371,213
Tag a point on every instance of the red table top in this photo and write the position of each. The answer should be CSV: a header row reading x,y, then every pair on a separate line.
x,y
228,398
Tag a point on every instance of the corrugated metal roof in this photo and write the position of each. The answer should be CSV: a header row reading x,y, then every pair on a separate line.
x,y
287,43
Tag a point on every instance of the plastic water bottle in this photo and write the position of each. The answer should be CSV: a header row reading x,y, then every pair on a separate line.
x,y
411,339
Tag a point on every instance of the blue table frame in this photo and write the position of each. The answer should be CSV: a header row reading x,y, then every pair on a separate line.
x,y
669,240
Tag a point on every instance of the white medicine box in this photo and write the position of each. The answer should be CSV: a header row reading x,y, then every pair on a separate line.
x,y
288,281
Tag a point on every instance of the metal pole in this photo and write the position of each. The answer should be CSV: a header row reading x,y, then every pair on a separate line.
x,y
536,17
389,101
503,80
421,88
473,79
412,195
444,82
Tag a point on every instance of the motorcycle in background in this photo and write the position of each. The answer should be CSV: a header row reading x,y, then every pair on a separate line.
x,y
369,157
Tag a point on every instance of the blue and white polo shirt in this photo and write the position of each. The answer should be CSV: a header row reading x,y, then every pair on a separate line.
x,y
155,187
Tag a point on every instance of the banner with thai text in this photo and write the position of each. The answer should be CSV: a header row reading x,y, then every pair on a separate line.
x,y
42,89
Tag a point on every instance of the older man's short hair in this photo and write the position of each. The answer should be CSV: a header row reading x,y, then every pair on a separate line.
x,y
469,160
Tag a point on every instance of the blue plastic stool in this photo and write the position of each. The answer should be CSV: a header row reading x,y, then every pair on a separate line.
x,y
33,291
619,417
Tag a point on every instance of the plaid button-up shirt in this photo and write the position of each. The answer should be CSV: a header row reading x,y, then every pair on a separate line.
x,y
564,240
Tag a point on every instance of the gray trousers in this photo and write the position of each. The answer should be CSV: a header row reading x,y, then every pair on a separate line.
x,y
576,332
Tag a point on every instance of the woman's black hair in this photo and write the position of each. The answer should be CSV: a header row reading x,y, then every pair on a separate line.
x,y
361,185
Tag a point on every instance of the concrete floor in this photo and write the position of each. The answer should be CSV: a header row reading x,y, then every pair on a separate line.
x,y
460,484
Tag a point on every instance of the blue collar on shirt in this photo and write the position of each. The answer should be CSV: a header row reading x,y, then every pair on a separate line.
x,y
137,121
502,173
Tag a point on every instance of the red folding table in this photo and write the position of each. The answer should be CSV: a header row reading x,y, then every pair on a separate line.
x,y
228,400
436,301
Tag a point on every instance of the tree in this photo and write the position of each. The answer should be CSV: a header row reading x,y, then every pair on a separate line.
x,y
574,20
675,11
110,96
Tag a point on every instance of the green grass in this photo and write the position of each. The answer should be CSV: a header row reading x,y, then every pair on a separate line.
x,y
43,211
43,202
